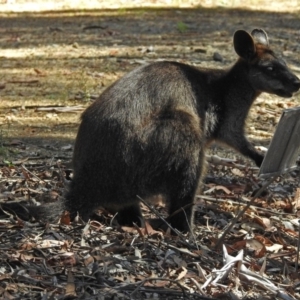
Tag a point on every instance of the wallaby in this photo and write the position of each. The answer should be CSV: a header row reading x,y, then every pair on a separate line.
x,y
147,133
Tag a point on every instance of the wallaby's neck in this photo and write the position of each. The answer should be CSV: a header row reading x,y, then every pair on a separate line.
x,y
237,82
232,86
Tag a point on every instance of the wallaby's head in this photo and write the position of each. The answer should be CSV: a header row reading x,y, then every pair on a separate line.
x,y
266,72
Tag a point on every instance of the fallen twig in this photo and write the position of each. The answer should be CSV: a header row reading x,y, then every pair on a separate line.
x,y
217,160
94,27
59,109
29,81
243,201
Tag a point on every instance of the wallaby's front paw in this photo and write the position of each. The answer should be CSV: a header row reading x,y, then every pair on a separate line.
x,y
259,159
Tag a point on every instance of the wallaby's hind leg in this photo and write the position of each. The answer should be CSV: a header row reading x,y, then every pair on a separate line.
x,y
178,141
182,196
181,188
80,198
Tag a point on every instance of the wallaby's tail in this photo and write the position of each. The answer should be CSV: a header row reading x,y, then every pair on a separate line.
x,y
50,212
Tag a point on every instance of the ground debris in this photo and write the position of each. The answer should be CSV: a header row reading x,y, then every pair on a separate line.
x,y
81,260
53,66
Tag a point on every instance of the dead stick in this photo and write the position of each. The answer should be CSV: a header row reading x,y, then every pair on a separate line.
x,y
24,81
94,27
244,201
32,174
140,284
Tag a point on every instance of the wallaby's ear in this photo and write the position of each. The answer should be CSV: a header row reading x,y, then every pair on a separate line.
x,y
260,36
244,44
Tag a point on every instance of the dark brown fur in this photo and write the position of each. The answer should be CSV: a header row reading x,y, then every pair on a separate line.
x,y
147,133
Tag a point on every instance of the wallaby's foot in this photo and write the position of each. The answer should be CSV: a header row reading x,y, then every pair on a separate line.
x,y
180,219
158,224
181,222
259,159
129,215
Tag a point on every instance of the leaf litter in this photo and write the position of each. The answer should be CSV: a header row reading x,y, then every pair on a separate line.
x,y
98,260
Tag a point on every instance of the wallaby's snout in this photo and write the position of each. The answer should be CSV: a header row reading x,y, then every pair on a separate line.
x,y
287,85
296,84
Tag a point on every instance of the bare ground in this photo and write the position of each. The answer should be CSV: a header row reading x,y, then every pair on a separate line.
x,y
57,59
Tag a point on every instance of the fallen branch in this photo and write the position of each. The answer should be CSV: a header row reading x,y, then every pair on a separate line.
x,y
243,201
245,274
66,109
229,162
94,27
30,81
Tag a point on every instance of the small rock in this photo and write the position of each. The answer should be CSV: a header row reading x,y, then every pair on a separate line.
x,y
200,50
75,45
150,49
66,148
217,57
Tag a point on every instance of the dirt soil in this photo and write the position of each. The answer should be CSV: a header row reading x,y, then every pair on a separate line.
x,y
53,65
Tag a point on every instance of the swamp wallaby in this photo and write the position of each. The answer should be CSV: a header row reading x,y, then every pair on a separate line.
x,y
147,133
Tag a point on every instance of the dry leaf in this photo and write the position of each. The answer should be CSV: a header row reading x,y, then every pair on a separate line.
x,y
182,273
257,246
237,172
49,244
274,248
65,219
297,199
70,287
236,246
88,260
218,188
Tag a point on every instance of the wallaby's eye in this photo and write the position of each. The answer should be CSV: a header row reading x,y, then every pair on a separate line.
x,y
267,66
